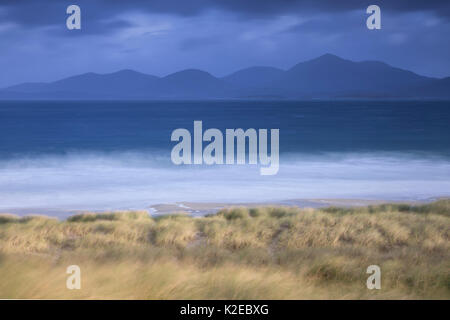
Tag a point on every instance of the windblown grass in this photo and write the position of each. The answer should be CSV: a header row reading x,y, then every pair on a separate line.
x,y
239,253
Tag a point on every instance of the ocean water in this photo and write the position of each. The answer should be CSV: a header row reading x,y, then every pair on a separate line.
x,y
62,156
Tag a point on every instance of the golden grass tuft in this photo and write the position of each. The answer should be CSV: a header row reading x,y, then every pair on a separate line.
x,y
238,253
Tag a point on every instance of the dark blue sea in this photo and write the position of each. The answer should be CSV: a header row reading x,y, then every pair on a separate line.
x,y
103,155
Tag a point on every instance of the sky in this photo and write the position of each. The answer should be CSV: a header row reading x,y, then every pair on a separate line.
x,y
219,36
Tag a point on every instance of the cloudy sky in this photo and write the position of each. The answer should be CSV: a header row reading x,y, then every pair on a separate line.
x,y
219,36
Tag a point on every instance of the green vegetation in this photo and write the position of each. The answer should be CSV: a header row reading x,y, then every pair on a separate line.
x,y
239,253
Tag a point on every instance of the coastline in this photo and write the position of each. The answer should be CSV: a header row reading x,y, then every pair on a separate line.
x,y
199,209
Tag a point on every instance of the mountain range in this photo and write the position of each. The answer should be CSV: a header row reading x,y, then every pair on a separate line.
x,y
325,77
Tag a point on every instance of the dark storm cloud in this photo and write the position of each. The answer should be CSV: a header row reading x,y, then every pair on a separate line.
x,y
196,43
94,26
48,12
163,36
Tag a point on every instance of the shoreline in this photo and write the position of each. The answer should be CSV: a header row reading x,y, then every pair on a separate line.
x,y
200,209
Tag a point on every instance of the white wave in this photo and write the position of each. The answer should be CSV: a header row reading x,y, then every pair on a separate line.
x,y
138,180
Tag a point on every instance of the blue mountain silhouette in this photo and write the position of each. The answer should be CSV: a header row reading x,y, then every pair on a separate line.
x,y
327,76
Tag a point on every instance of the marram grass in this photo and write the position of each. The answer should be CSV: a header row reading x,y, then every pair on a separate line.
x,y
260,253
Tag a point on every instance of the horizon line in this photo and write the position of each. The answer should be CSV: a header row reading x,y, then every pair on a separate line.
x,y
217,77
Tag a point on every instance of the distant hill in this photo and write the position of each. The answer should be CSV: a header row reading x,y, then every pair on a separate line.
x,y
125,83
254,77
331,76
192,83
327,76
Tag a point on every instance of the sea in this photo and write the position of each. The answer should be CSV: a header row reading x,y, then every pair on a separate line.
x,y
63,156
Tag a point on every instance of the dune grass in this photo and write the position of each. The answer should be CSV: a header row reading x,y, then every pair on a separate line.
x,y
239,253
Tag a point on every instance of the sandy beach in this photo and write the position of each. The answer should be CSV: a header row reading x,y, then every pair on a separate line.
x,y
198,209
201,209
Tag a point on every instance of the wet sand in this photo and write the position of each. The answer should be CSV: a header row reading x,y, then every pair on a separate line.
x,y
201,209
198,209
